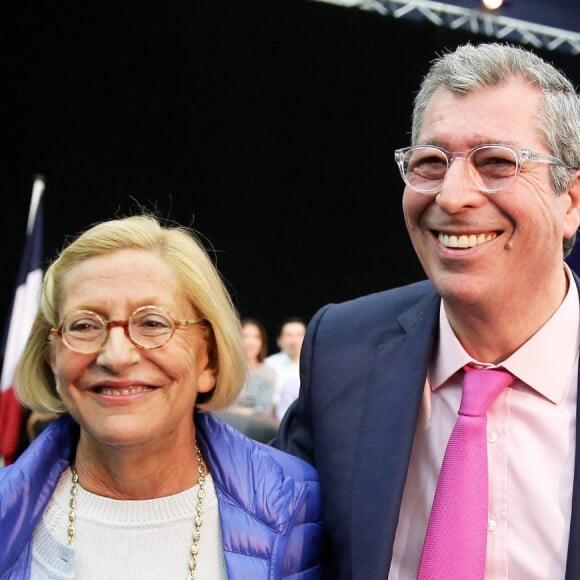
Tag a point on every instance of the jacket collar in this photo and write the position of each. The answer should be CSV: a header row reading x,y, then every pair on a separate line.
x,y
246,472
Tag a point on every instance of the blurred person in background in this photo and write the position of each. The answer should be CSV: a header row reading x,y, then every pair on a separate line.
x,y
252,411
286,361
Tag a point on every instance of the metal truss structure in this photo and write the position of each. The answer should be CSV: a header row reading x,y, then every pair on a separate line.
x,y
476,21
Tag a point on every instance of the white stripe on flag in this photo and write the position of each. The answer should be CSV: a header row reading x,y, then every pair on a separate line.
x,y
23,312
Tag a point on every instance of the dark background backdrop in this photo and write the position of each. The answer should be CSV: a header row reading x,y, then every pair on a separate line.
x,y
268,126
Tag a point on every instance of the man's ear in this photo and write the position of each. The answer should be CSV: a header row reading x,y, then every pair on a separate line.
x,y
572,217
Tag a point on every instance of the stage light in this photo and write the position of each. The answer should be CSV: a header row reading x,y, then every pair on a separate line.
x,y
492,4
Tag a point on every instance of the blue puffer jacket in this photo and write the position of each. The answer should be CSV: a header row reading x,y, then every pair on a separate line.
x,y
269,502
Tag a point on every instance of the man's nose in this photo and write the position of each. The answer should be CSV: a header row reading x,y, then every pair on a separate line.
x,y
458,191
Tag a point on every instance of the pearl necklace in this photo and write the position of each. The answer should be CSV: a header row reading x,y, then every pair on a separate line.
x,y
198,511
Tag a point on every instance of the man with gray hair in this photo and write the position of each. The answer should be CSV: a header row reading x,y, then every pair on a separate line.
x,y
422,477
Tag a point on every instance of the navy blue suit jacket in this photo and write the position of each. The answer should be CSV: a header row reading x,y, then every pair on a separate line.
x,y
363,369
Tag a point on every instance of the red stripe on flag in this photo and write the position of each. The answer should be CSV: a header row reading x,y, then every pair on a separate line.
x,y
11,412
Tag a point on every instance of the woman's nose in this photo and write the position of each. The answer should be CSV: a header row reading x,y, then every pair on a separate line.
x,y
118,350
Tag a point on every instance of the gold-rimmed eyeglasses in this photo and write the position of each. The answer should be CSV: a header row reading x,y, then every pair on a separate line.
x,y
491,167
148,327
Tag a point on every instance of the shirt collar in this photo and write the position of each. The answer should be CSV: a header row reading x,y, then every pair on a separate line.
x,y
555,344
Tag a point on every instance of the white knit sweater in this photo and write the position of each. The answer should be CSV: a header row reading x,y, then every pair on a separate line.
x,y
120,539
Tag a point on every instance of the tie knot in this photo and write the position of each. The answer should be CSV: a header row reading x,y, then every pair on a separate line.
x,y
481,387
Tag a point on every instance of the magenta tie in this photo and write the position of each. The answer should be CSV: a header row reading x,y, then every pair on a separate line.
x,y
456,540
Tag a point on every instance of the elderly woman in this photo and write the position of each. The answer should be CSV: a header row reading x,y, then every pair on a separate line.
x,y
136,331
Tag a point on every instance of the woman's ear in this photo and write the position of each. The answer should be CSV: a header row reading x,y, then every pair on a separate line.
x,y
207,366
207,380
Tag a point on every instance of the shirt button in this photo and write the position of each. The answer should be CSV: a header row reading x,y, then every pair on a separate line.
x,y
492,437
491,525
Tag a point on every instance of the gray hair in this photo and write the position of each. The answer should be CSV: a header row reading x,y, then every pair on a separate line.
x,y
471,67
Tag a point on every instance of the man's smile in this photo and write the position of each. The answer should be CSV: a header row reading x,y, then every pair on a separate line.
x,y
464,240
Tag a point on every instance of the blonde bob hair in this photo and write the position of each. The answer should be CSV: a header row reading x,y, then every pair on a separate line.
x,y
181,249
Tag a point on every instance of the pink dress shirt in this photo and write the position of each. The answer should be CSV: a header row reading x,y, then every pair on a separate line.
x,y
531,445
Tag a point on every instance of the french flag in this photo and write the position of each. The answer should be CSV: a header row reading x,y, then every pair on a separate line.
x,y
24,307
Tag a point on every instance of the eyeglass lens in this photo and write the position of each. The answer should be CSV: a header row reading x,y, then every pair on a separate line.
x,y
491,167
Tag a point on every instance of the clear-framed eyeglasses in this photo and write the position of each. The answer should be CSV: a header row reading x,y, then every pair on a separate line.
x,y
148,327
491,167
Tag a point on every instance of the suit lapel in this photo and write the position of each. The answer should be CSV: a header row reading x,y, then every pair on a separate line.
x,y
392,401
